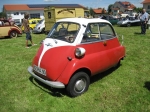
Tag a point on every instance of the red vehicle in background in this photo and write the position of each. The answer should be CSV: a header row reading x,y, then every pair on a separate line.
x,y
76,49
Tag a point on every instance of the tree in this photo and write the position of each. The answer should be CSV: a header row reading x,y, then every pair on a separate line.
x,y
109,8
3,14
91,12
103,11
137,9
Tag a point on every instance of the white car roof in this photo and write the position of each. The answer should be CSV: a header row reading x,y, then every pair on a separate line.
x,y
83,20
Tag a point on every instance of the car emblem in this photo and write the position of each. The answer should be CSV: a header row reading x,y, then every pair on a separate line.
x,y
49,44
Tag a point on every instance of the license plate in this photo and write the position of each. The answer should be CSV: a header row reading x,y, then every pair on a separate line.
x,y
39,70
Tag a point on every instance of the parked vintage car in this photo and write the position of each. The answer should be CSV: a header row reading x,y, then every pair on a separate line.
x,y
40,27
32,23
18,23
129,21
76,49
9,29
111,19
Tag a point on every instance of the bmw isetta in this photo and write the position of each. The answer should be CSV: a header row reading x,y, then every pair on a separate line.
x,y
74,50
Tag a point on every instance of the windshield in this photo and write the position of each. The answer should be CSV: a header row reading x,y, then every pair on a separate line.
x,y
41,21
124,19
66,31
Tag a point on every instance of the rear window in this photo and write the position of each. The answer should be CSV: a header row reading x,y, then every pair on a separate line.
x,y
41,21
49,15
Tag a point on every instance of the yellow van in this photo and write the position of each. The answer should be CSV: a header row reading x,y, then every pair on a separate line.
x,y
55,12
32,23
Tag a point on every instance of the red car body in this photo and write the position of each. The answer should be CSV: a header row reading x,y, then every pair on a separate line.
x,y
70,64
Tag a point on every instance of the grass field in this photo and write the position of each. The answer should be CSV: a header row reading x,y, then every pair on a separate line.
x,y
125,89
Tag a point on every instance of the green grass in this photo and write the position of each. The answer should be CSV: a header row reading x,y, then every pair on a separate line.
x,y
126,89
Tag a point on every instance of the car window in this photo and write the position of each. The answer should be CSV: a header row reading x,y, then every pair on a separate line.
x,y
64,31
98,32
40,21
37,21
7,23
49,15
92,33
107,31
34,22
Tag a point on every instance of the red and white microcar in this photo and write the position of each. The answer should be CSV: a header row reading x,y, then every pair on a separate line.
x,y
74,50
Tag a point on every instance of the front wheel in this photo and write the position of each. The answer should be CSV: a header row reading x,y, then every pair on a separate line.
x,y
13,34
78,84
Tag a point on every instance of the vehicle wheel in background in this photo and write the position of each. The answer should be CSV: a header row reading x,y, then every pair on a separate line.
x,y
128,24
13,34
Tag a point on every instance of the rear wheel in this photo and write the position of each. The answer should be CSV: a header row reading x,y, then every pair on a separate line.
x,y
13,34
78,84
128,24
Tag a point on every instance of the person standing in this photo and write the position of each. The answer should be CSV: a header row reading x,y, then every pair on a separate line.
x,y
144,20
25,24
1,22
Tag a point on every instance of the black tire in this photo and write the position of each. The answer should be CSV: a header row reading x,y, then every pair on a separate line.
x,y
46,32
43,30
13,34
78,84
118,64
128,24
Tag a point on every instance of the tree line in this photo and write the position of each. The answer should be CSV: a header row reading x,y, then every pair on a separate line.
x,y
3,14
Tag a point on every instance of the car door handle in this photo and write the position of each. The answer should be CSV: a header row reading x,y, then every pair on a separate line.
x,y
105,43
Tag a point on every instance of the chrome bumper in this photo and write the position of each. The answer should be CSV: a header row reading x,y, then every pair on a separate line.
x,y
54,84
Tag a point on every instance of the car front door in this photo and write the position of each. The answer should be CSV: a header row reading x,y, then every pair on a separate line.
x,y
4,29
98,41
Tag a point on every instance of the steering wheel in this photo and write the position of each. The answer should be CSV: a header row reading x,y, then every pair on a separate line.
x,y
71,39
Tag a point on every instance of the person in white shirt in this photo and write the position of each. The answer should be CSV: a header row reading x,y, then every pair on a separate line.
x,y
144,19
0,23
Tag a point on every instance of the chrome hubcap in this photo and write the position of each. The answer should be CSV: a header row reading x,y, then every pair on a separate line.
x,y
13,34
80,85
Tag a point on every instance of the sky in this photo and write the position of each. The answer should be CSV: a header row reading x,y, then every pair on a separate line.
x,y
85,3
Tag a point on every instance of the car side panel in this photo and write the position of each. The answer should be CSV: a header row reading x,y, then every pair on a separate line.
x,y
98,58
14,29
4,30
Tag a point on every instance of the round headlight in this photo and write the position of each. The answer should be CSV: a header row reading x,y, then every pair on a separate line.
x,y
79,52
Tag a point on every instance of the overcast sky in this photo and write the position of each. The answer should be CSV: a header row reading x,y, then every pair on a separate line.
x,y
86,3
